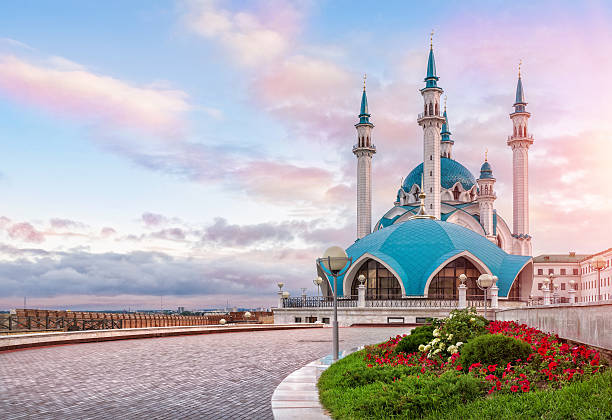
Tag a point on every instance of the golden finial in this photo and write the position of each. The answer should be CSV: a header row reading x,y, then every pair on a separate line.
x,y
431,39
520,63
486,153
364,80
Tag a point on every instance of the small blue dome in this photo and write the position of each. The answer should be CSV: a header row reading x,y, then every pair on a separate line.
x,y
451,172
486,171
415,249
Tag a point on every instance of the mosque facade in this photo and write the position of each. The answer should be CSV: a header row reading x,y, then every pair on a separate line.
x,y
443,223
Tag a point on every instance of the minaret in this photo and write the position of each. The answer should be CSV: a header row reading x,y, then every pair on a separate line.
x,y
446,149
519,141
486,198
431,121
364,150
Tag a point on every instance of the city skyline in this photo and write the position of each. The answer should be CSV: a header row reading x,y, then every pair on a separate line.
x,y
202,150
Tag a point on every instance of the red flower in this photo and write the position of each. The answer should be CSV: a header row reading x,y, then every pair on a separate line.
x,y
458,368
514,388
490,377
525,387
492,368
369,365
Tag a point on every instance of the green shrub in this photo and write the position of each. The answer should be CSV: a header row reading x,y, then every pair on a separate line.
x,y
490,349
419,335
463,325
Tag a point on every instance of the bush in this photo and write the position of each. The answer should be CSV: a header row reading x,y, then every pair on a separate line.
x,y
463,325
419,335
491,349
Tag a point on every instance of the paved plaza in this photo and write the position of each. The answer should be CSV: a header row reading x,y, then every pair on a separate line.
x,y
216,376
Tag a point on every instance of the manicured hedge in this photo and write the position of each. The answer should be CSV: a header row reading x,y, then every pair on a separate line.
x,y
491,349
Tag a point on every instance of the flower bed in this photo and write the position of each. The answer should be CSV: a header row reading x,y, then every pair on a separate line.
x,y
379,382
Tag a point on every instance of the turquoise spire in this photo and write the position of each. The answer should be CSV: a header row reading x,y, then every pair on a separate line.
x,y
519,101
431,79
445,130
364,116
485,170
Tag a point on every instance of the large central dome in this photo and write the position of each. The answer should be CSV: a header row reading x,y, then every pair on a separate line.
x,y
451,172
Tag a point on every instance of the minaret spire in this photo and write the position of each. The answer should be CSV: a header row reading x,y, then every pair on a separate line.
x,y
432,122
364,150
519,141
446,148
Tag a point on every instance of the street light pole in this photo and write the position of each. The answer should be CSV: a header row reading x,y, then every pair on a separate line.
x,y
484,282
598,264
335,262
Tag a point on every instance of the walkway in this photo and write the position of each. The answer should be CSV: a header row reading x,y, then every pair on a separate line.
x,y
216,376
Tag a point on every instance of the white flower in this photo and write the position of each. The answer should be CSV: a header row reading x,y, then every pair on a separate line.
x,y
450,337
422,347
436,333
450,316
435,341
452,349
459,343
427,347
442,345
436,351
472,319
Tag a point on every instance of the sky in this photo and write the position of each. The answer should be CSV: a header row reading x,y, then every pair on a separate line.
x,y
195,153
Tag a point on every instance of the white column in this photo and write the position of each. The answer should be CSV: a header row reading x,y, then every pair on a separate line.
x,y
520,190
462,296
280,299
546,292
361,292
494,296
431,170
572,296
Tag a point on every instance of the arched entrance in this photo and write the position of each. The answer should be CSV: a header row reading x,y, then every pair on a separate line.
x,y
446,281
380,283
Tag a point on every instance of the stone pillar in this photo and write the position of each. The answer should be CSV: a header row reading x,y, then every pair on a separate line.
x,y
462,296
361,292
494,292
546,292
572,295
280,299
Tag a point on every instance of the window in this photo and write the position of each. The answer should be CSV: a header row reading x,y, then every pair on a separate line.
x,y
575,271
446,281
540,271
563,271
551,271
326,320
298,319
456,193
539,286
311,319
562,286
380,282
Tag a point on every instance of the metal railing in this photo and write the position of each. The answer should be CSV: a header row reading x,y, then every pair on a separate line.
x,y
351,302
31,323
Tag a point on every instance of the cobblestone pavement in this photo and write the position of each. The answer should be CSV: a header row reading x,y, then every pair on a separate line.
x,y
212,376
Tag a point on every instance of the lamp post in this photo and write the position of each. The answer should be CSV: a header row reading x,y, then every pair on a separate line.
x,y
317,283
336,262
484,282
572,291
553,288
546,291
598,264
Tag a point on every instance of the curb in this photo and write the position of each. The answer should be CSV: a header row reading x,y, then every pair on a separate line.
x,y
25,341
297,396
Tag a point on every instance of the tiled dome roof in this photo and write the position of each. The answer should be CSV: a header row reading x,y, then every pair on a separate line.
x,y
451,172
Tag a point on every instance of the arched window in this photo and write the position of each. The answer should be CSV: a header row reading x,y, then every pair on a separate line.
x,y
437,111
416,195
380,283
446,281
515,291
515,131
430,108
425,110
456,193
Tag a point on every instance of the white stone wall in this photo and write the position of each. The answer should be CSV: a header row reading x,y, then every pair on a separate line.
x,y
588,279
585,323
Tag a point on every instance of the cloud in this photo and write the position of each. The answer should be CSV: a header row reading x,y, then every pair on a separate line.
x,y
250,38
152,219
222,232
25,232
105,232
58,223
62,87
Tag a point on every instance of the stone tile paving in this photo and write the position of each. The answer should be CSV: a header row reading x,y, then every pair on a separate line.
x,y
216,376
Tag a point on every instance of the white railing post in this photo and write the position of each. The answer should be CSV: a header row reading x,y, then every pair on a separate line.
x,y
280,299
361,292
546,292
494,295
462,296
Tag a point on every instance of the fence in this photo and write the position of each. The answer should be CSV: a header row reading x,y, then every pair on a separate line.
x,y
351,302
42,320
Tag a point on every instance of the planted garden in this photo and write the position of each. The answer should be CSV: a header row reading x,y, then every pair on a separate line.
x,y
466,367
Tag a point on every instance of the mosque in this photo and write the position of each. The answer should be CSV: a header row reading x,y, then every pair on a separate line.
x,y
443,223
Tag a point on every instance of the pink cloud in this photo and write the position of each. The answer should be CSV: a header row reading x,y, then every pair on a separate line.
x,y
75,91
25,232
105,232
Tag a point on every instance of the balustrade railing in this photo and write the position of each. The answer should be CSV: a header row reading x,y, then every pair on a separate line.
x,y
351,302
31,323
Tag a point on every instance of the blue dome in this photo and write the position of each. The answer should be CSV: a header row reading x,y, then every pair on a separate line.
x,y
451,172
486,171
417,248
